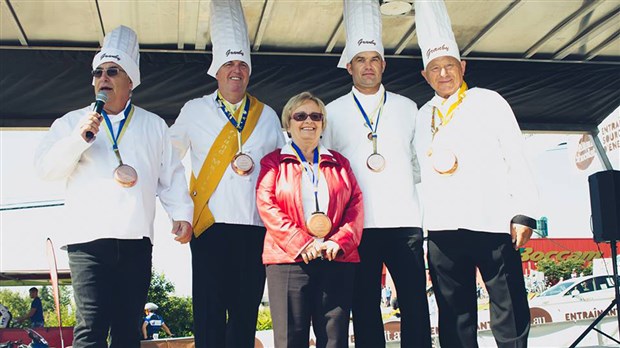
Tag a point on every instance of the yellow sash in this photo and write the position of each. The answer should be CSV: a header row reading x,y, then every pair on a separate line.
x,y
221,153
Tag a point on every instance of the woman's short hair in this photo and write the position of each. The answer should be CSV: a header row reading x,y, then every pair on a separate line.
x,y
298,100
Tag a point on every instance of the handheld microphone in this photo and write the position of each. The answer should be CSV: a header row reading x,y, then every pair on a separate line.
x,y
100,101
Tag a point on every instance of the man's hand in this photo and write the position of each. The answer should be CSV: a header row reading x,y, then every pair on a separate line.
x,y
90,123
182,230
520,234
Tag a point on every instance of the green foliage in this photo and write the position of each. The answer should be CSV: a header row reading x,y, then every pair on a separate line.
x,y
556,270
264,319
160,289
17,304
176,311
179,316
67,314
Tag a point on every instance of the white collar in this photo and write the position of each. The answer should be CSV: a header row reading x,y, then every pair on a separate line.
x,y
368,97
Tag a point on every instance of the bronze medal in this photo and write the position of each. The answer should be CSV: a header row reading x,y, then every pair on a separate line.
x,y
444,162
242,164
319,224
125,175
375,162
370,136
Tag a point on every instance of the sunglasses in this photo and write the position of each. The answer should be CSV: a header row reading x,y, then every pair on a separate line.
x,y
111,72
302,116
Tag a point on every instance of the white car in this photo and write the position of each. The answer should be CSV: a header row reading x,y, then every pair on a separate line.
x,y
588,288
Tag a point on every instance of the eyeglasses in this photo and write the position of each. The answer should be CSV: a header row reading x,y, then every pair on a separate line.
x,y
111,72
302,116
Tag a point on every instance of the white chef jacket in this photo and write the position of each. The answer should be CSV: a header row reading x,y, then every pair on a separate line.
x,y
493,182
198,125
96,206
390,197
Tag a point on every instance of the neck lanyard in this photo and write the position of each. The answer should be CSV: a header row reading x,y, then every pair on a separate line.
x,y
312,172
370,121
450,114
233,116
122,127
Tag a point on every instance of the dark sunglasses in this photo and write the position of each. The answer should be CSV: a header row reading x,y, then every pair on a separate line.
x,y
302,116
111,72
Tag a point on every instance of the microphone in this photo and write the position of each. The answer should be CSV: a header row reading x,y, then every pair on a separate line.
x,y
100,101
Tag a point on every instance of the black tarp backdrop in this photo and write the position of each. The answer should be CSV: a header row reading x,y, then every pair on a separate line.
x,y
38,86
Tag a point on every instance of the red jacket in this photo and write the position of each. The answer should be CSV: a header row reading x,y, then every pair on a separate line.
x,y
278,196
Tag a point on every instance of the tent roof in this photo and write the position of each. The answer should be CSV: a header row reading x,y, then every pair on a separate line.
x,y
32,277
557,62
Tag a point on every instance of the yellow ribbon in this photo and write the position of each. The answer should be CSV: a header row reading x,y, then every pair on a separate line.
x,y
450,114
221,153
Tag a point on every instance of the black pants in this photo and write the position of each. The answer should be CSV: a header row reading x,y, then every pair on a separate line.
x,y
321,292
110,283
228,281
453,258
401,249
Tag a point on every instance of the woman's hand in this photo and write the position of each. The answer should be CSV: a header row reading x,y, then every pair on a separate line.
x,y
330,248
311,252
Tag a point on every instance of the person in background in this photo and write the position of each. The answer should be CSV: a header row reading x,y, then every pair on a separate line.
x,y
479,195
374,129
5,317
312,207
227,133
153,322
388,295
116,162
35,314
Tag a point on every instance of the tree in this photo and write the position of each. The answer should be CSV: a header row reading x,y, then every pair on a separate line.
x,y
67,314
176,311
556,270
17,304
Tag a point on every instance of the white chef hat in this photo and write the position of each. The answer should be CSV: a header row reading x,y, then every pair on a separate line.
x,y
362,20
434,30
120,46
229,34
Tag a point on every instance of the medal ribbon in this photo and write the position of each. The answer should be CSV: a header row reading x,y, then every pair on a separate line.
x,y
312,172
122,127
233,116
371,121
448,117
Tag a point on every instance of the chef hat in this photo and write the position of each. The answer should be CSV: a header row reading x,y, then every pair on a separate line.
x,y
434,30
229,34
120,46
362,21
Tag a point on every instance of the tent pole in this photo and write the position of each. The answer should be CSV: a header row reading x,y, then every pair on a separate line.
x,y
600,150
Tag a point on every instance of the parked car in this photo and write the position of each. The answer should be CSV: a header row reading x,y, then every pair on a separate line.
x,y
585,288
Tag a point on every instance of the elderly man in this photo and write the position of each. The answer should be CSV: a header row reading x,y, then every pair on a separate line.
x,y
479,194
228,132
110,200
374,129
